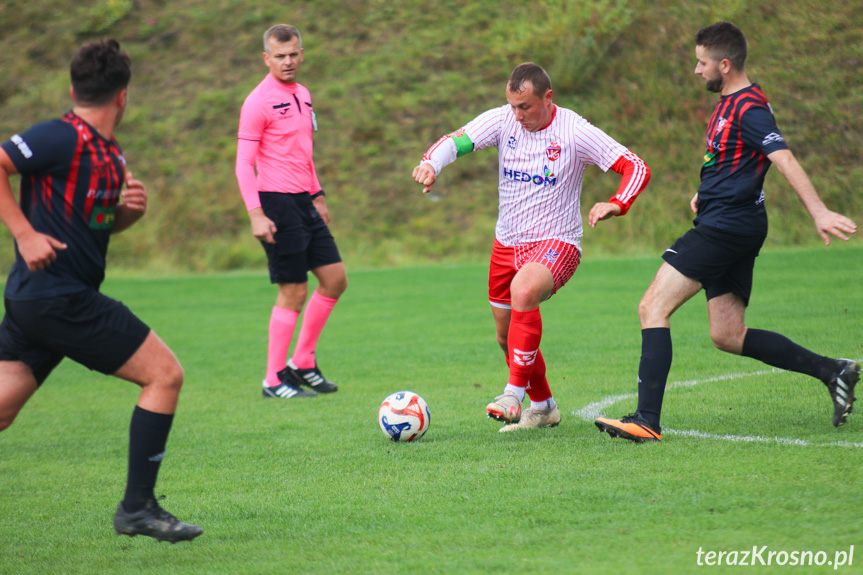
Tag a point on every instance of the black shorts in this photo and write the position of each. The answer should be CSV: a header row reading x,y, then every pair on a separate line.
x,y
722,261
88,327
303,240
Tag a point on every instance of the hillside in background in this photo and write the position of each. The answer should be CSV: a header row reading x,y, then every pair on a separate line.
x,y
389,78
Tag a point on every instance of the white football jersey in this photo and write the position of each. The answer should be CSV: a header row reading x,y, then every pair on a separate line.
x,y
540,172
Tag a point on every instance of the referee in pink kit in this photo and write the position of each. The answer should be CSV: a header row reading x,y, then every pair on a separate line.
x,y
543,152
288,213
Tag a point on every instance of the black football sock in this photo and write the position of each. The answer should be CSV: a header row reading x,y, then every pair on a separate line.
x,y
653,372
779,351
148,435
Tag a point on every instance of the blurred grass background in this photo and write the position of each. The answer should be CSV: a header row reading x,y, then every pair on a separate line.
x,y
389,78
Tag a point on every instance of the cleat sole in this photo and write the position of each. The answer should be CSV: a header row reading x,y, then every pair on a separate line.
x,y
500,417
614,432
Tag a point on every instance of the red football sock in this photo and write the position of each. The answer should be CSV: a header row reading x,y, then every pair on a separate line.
x,y
315,316
538,390
282,324
525,333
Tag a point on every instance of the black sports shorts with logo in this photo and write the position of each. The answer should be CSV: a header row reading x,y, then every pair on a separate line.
x,y
88,327
303,240
721,261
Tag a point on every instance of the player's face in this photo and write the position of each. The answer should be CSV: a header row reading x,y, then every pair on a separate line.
x,y
284,59
708,68
531,111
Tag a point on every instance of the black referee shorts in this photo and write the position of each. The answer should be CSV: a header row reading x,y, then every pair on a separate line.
x,y
303,240
722,261
88,327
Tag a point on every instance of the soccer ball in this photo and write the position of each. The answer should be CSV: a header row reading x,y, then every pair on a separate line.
x,y
404,416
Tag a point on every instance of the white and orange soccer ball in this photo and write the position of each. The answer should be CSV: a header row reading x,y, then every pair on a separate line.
x,y
404,416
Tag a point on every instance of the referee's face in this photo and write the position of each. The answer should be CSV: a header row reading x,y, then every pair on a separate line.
x,y
531,111
284,59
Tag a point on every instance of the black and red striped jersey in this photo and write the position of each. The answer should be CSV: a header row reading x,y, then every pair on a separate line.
x,y
741,133
71,179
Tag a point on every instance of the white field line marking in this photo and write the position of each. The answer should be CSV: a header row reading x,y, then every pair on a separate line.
x,y
595,409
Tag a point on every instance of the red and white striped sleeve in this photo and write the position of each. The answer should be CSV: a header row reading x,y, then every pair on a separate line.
x,y
635,176
481,132
441,154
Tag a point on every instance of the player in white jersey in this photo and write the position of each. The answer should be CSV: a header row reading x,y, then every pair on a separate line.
x,y
543,151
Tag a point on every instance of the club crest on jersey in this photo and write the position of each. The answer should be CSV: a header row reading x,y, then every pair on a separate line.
x,y
511,143
551,255
714,143
553,152
547,179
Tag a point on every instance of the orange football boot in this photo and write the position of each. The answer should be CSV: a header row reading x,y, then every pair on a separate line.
x,y
631,427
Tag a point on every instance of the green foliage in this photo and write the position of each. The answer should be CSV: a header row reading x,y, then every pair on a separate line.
x,y
102,16
389,78
572,38
312,486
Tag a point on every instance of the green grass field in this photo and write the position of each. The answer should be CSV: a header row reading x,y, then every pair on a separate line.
x,y
312,486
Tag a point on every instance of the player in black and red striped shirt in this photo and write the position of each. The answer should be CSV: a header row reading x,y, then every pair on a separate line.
x,y
72,200
718,254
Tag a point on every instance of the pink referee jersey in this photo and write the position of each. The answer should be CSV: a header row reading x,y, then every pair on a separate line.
x,y
275,137
541,172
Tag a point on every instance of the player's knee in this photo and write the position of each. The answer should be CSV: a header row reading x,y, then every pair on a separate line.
x,y
646,312
721,344
525,297
171,378
727,342
6,419
292,296
642,311
503,342
341,285
176,376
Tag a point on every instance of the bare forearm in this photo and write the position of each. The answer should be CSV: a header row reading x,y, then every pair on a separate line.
x,y
827,222
10,212
799,181
133,205
125,218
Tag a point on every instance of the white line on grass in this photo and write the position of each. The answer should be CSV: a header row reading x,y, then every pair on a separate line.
x,y
595,409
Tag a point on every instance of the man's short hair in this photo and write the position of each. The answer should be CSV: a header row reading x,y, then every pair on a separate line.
x,y
723,40
282,33
529,72
99,70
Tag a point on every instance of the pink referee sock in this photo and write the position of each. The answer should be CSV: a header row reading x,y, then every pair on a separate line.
x,y
282,324
315,316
